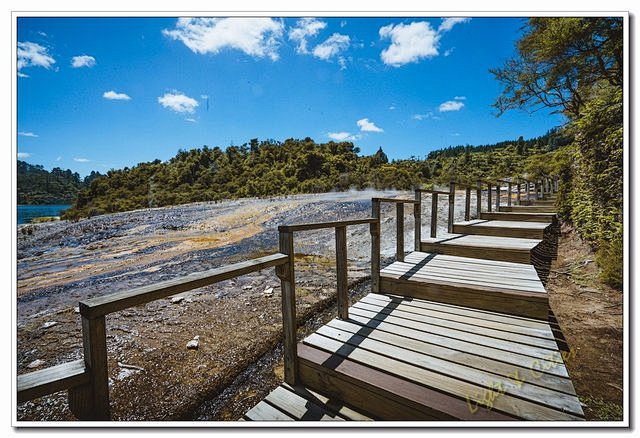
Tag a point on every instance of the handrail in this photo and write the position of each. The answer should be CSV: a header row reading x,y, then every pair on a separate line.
x,y
397,201
286,273
437,192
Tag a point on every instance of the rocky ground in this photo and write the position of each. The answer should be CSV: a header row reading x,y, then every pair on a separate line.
x,y
154,376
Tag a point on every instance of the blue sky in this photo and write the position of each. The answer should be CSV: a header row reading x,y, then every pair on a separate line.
x,y
110,92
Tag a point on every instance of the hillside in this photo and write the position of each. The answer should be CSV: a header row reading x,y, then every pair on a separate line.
x,y
271,168
38,186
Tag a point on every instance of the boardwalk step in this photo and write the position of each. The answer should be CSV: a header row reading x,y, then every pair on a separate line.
x,y
529,209
517,216
506,249
502,228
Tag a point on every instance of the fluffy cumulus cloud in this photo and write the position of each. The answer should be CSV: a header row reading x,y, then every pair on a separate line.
x,y
33,55
305,28
342,136
257,37
81,160
366,126
409,43
450,105
24,154
448,23
27,134
83,61
112,95
178,102
415,41
332,47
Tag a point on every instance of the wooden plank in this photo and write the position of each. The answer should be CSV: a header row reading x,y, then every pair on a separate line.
x,y
400,232
286,273
53,379
321,225
486,241
384,395
94,343
329,403
342,285
374,229
466,296
298,407
103,305
522,217
464,326
447,354
467,204
434,215
411,352
506,403
529,209
511,255
263,411
506,351
486,281
417,216
479,198
397,200
488,196
514,232
466,311
452,205
499,223
543,332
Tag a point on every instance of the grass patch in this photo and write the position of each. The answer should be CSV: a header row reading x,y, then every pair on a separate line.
x,y
597,409
38,220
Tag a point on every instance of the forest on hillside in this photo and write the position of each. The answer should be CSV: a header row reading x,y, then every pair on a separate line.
x,y
38,186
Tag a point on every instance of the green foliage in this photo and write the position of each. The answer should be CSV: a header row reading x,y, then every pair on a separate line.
x,y
574,65
37,186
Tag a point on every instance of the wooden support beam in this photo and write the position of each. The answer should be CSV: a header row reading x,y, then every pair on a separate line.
x,y
452,204
91,401
518,192
479,198
374,229
341,272
434,214
53,379
498,196
417,216
467,204
286,273
489,197
509,194
400,232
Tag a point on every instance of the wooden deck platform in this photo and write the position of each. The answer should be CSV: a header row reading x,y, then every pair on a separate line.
x,y
399,358
512,288
502,228
518,216
529,209
507,249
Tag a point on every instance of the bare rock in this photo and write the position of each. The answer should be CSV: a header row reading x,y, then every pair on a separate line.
x,y
49,324
194,343
36,363
268,292
176,300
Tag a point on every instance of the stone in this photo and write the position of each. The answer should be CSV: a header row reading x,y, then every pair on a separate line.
x,y
194,343
49,324
176,300
268,292
36,363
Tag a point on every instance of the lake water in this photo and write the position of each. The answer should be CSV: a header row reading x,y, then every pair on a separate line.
x,y
28,212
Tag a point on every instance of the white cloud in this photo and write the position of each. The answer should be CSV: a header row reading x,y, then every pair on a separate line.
x,y
305,28
448,23
22,75
112,95
392,107
409,43
33,55
331,47
178,102
428,115
81,160
41,33
257,37
343,136
24,154
451,105
27,134
460,98
59,158
455,134
449,51
192,120
83,61
366,126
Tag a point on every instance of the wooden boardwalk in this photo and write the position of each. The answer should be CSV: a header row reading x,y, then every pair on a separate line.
x,y
459,330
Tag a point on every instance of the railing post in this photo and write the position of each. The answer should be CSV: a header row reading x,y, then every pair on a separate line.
x,y
417,215
91,401
400,232
434,214
341,272
479,198
528,190
286,274
452,201
489,197
509,194
498,196
467,204
518,192
375,246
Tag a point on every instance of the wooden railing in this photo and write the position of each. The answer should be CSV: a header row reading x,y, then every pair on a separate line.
x,y
434,211
87,379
